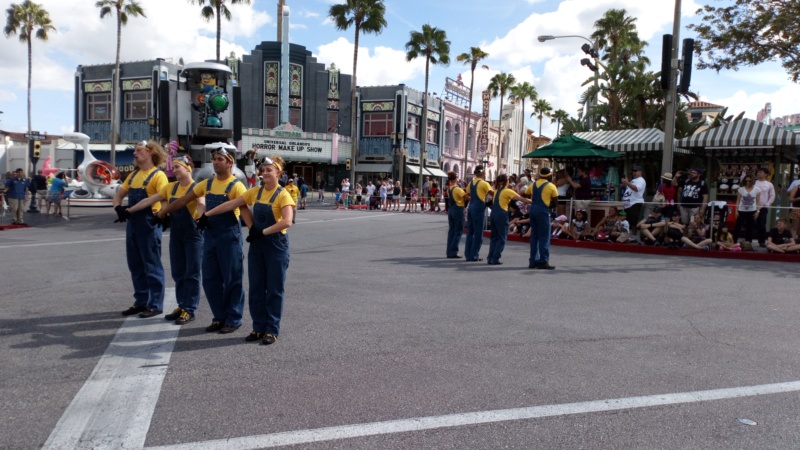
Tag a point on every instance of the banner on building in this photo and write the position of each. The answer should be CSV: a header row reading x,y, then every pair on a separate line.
x,y
483,138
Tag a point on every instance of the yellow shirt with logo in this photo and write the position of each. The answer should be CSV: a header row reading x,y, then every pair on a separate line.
x,y
482,188
155,184
549,192
166,193
218,188
293,191
505,198
458,196
283,199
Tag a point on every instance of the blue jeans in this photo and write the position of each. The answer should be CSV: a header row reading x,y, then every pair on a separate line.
x,y
223,270
761,225
267,263
455,222
540,235
476,223
185,255
143,253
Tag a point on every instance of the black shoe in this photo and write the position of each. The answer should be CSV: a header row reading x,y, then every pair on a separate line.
x,y
457,255
546,266
228,329
254,336
494,263
134,310
150,313
533,266
174,314
215,326
476,259
269,339
184,318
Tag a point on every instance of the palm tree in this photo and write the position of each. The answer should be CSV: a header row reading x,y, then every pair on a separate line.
x,y
498,86
475,56
521,92
558,116
123,8
365,16
217,8
24,19
432,43
541,108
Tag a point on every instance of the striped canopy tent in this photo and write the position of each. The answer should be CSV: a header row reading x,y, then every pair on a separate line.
x,y
629,141
747,135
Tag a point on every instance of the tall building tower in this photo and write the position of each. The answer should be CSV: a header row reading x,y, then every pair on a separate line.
x,y
281,4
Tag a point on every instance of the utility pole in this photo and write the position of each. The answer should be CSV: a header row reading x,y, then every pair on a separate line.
x,y
672,94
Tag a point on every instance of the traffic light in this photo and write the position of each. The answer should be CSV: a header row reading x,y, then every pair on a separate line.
x,y
666,61
686,73
347,164
37,149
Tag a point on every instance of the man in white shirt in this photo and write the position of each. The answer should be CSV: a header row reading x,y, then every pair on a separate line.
x,y
633,197
766,199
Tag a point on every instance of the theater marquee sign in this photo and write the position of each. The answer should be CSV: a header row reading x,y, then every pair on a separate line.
x,y
299,147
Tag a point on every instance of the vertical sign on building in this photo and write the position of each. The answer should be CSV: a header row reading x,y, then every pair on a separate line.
x,y
483,141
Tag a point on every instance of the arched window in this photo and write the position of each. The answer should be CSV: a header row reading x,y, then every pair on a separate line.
x,y
471,142
448,134
446,167
457,139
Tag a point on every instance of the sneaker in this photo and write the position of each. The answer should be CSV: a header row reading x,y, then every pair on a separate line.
x,y
150,313
184,318
546,266
134,310
254,336
705,247
174,314
215,326
229,329
269,339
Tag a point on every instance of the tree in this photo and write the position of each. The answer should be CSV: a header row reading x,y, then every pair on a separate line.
x,y
473,58
123,8
541,108
557,117
25,18
365,16
498,86
431,43
218,8
747,33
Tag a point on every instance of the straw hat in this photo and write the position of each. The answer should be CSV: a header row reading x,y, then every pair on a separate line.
x,y
667,176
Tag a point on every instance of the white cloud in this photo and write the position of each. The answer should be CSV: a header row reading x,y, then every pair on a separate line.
x,y
7,96
384,66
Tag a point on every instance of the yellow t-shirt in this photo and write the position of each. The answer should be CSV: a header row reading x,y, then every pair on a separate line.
x,y
482,188
549,192
283,199
166,193
218,188
458,196
293,191
155,184
505,198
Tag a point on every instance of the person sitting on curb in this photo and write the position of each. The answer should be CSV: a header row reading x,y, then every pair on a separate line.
x,y
779,239
725,240
698,235
559,229
652,227
579,228
622,229
675,230
604,228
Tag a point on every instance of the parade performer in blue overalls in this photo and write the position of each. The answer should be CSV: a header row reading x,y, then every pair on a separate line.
x,y
223,258
542,193
268,257
143,234
455,214
185,240
476,214
498,218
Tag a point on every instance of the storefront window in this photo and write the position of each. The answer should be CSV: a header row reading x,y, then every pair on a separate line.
x,y
412,132
294,117
377,123
138,105
333,121
433,132
98,106
270,117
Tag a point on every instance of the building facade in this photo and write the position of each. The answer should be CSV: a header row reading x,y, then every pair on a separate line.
x,y
459,151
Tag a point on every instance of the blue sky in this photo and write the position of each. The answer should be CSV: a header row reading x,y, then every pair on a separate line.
x,y
507,30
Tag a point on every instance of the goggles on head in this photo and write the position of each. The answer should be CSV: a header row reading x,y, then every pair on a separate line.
x,y
142,144
183,161
223,152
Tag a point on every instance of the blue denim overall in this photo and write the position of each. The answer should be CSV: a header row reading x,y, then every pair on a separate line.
x,y
498,224
476,222
223,261
455,220
143,251
268,260
185,255
540,227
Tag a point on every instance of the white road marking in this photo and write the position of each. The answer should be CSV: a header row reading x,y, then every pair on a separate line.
x,y
475,418
114,407
48,244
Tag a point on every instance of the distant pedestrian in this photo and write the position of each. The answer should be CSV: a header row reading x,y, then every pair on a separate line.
x,y
17,192
56,192
542,193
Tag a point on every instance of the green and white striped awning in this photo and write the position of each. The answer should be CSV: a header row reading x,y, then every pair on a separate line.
x,y
744,133
629,141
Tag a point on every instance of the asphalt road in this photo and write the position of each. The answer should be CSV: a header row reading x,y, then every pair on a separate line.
x,y
386,344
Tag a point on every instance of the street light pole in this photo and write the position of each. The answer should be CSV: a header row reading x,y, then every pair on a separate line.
x,y
593,51
672,94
